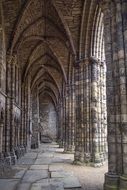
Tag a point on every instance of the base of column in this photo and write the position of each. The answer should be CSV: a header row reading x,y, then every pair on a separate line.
x,y
79,163
20,151
78,157
60,143
69,149
111,182
87,158
98,160
123,183
34,146
97,165
13,157
1,164
7,159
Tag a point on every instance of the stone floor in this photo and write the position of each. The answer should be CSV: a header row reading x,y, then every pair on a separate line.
x,y
48,168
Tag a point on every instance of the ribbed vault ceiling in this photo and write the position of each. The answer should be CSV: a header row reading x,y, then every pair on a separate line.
x,y
47,35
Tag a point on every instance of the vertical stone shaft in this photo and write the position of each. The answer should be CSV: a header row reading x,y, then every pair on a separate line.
x,y
95,120
114,20
87,110
1,137
8,101
35,119
79,147
73,114
12,143
111,179
69,117
66,117
22,115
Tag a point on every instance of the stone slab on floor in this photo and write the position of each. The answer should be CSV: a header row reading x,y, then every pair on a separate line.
x,y
43,181
54,146
80,188
55,167
8,184
61,160
39,167
26,161
19,174
44,161
49,186
57,160
46,154
52,150
24,186
61,174
30,155
59,150
71,182
32,176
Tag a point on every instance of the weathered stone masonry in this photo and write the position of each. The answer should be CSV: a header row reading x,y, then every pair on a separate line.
x,y
115,25
91,125
58,48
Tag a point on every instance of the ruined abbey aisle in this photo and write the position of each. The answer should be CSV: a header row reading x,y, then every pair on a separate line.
x,y
63,78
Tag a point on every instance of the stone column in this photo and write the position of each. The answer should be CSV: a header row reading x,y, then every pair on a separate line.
x,y
9,129
98,112
35,117
95,120
8,102
22,115
1,135
87,110
60,124
70,118
73,114
115,21
13,88
103,116
79,140
12,122
90,129
121,30
64,118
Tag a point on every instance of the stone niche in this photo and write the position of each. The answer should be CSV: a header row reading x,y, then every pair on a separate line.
x,y
47,119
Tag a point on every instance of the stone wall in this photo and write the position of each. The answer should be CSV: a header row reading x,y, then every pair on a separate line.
x,y
47,116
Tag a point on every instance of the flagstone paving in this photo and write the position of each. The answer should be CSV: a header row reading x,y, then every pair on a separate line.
x,y
41,170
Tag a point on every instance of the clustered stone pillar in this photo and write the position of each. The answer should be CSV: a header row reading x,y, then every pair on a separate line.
x,y
66,118
98,111
90,112
26,104
69,118
8,113
60,123
35,120
79,131
1,134
12,84
115,22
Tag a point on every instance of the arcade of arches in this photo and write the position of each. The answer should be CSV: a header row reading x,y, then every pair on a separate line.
x,y
58,58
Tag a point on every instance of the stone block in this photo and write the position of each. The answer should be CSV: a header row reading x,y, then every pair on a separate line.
x,y
35,175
